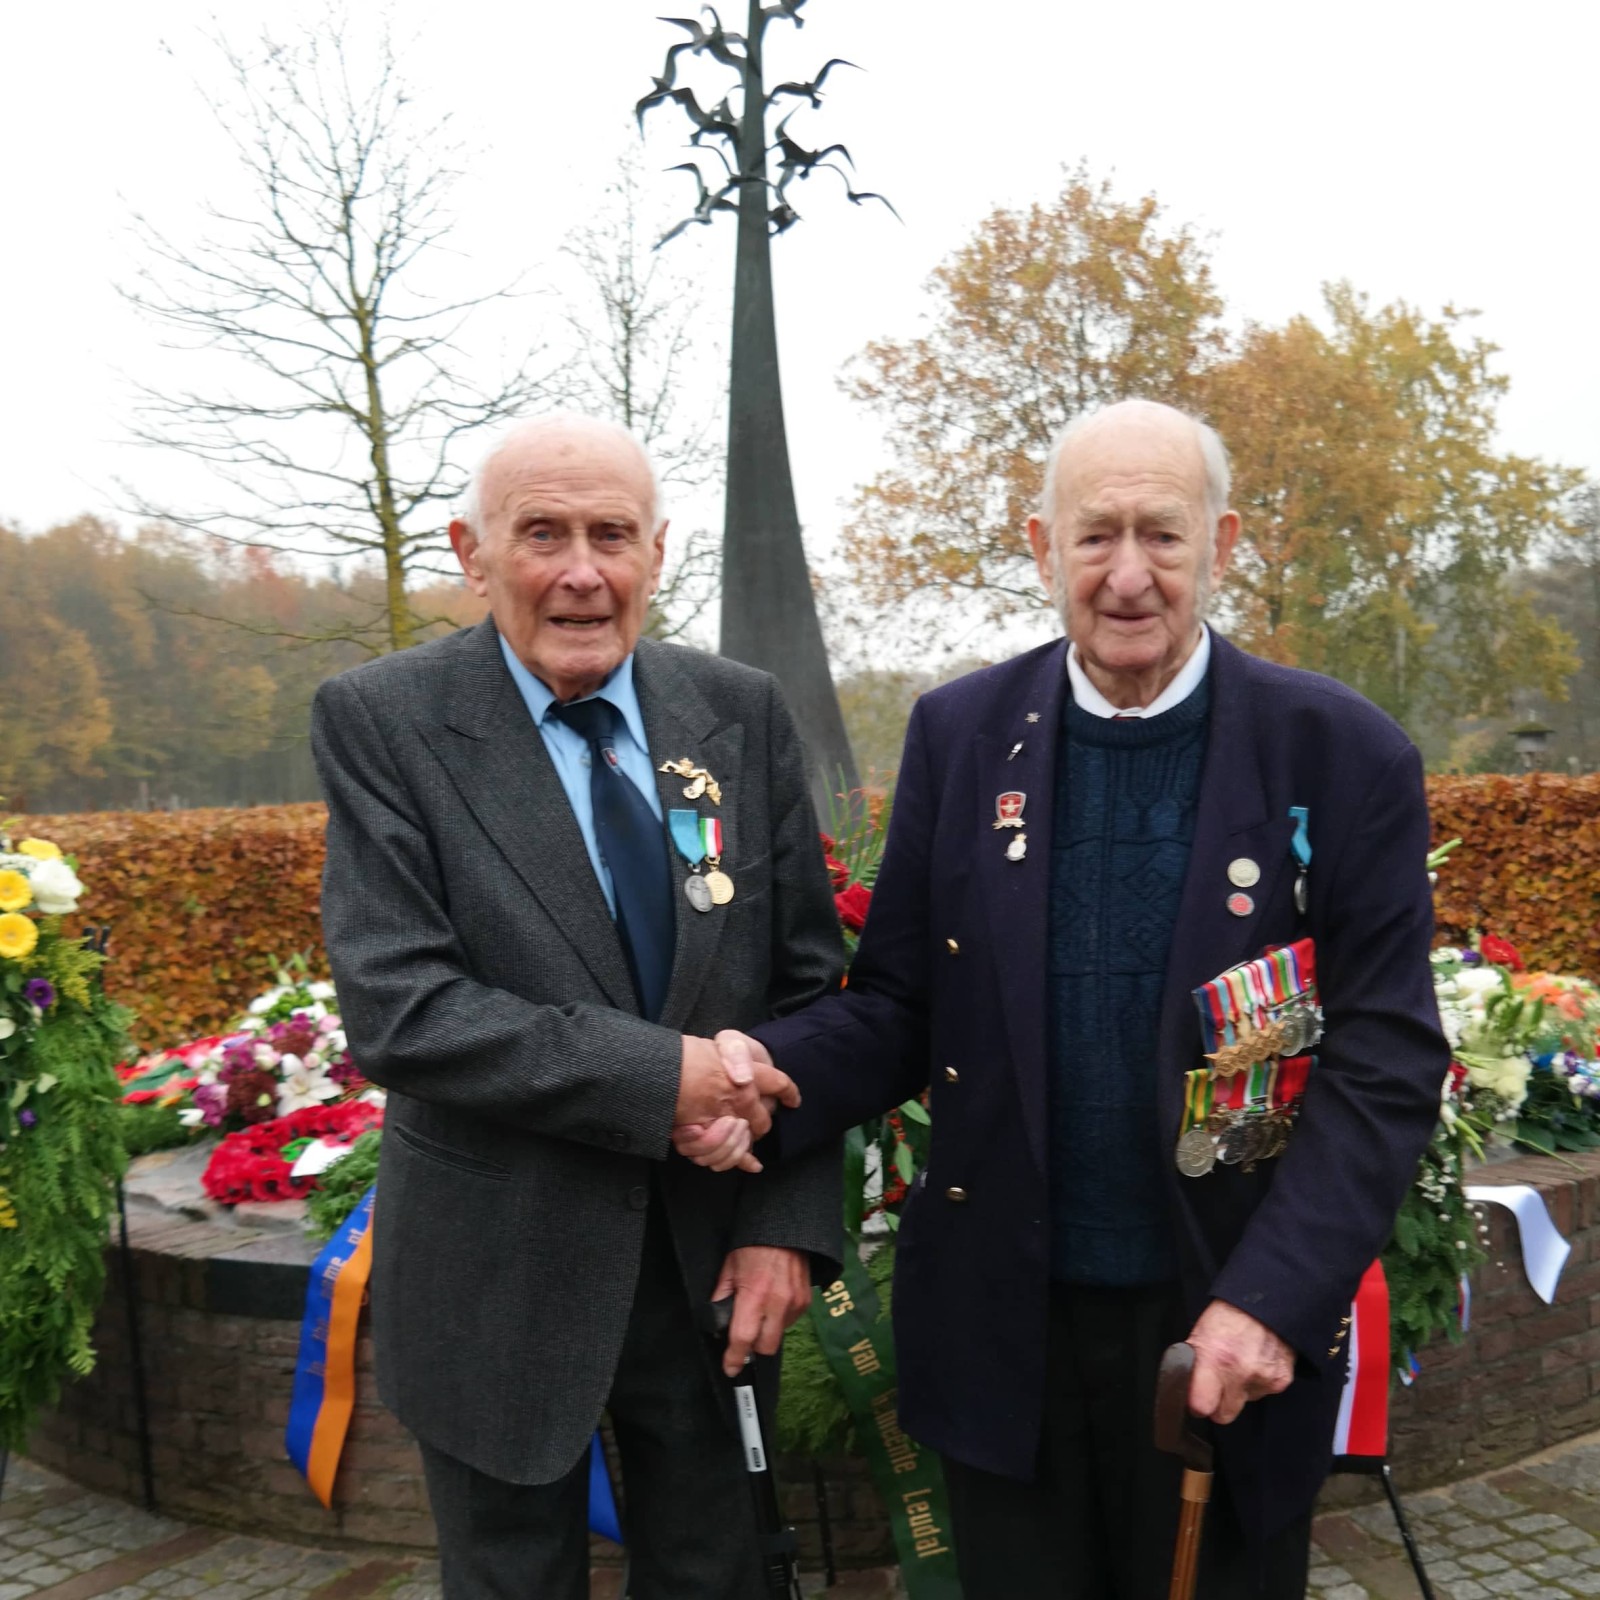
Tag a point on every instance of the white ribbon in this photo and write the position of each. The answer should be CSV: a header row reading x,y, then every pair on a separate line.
x,y
1544,1251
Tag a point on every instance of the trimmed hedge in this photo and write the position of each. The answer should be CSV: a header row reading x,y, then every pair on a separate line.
x,y
1528,868
204,904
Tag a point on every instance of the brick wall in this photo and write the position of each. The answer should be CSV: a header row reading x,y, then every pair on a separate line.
x,y
219,1318
219,1325
1527,1376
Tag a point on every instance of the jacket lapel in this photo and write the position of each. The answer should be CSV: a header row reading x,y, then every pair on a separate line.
x,y
497,759
1018,892
1234,820
679,721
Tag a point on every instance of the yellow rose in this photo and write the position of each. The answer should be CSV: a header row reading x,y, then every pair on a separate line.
x,y
15,891
18,936
39,849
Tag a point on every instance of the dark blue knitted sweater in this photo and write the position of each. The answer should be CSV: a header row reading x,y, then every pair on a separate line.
x,y
1125,802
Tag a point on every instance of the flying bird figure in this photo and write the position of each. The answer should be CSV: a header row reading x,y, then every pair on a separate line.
x,y
811,91
798,162
711,201
716,41
786,8
718,121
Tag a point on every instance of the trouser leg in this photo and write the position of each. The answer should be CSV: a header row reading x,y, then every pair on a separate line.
x,y
688,1514
509,1541
690,1519
1100,1520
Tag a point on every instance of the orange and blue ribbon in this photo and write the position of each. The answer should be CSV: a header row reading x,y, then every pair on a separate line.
x,y
325,1372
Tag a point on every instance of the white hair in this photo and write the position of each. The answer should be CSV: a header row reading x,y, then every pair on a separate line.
x,y
1213,453
469,508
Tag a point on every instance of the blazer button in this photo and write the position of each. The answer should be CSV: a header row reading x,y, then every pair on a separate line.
x,y
951,1075
958,1195
638,1197
954,948
619,1140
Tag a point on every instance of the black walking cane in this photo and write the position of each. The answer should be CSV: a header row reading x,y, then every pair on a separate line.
x,y
774,1537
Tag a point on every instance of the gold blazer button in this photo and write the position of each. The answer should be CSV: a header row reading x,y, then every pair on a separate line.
x,y
951,1075
958,1195
955,949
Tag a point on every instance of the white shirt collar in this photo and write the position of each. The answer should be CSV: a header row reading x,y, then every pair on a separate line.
x,y
1187,681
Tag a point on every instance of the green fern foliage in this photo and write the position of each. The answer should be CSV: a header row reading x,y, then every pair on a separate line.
x,y
61,1157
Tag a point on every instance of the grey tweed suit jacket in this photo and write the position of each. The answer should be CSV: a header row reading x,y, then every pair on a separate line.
x,y
483,984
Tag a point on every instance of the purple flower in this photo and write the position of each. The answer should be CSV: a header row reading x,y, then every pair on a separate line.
x,y
1471,958
212,1099
40,992
27,1118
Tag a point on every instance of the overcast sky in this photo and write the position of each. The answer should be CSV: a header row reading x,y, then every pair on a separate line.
x,y
1439,152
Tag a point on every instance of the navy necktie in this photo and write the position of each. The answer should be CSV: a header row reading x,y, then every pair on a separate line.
x,y
633,846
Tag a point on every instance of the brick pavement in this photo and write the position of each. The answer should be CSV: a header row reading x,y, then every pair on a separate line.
x,y
1532,1533
60,1542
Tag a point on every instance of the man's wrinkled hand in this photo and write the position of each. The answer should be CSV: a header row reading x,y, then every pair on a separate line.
x,y
1237,1359
771,1289
726,1097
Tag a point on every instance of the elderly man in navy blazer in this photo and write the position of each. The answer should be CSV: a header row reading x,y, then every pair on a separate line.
x,y
1083,838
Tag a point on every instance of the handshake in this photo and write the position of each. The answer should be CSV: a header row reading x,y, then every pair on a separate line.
x,y
727,1093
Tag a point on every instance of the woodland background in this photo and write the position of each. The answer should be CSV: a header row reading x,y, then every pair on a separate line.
x,y
168,661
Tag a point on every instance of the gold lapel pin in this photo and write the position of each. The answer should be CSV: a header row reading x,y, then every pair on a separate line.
x,y
700,781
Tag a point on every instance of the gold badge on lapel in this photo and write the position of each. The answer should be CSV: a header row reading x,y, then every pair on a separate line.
x,y
700,781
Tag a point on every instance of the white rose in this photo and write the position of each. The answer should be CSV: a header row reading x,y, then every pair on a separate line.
x,y
55,887
1478,980
322,990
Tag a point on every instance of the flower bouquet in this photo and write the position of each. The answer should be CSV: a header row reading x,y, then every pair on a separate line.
x,y
281,1079
60,1149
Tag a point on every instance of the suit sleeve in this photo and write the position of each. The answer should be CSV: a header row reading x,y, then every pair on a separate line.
x,y
797,1204
864,1050
1372,1102
417,1020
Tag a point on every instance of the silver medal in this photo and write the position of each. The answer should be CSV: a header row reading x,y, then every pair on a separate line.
x,y
698,892
1243,873
1197,1153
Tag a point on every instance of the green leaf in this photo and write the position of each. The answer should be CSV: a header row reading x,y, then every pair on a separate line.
x,y
905,1163
915,1111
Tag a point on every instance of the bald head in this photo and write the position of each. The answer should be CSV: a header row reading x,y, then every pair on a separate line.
x,y
1156,423
562,435
1132,533
560,530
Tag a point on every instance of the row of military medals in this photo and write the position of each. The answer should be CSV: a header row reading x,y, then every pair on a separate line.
x,y
1257,1020
699,839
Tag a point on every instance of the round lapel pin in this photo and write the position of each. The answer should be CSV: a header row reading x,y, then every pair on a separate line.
x,y
1244,873
1241,905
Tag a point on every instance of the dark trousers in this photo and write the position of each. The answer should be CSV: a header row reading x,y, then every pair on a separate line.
x,y
689,1519
1101,1520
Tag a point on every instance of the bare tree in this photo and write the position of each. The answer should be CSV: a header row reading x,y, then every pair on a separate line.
x,y
334,424
636,342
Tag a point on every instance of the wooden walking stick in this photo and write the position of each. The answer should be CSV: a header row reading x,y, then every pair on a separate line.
x,y
1179,1434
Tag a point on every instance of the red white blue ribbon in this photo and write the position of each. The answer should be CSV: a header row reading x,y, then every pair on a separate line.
x,y
1363,1426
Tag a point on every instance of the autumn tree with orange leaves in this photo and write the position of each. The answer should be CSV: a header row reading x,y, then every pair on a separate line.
x,y
1043,313
1384,530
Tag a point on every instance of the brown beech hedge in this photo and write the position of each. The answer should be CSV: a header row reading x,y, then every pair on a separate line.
x,y
204,904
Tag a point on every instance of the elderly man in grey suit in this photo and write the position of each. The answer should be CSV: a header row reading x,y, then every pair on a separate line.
x,y
560,858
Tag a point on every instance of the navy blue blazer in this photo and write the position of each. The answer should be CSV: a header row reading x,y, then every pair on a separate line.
x,y
949,992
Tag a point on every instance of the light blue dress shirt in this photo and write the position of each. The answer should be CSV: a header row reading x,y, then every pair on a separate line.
x,y
569,750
